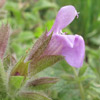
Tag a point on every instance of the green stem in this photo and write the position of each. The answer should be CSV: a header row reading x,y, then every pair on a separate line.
x,y
80,85
81,91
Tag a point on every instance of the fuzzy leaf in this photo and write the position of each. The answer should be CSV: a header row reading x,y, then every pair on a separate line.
x,y
21,68
9,61
3,92
39,47
41,83
43,63
68,77
34,96
16,82
82,70
4,36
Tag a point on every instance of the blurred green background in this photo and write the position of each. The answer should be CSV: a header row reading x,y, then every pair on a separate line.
x,y
30,18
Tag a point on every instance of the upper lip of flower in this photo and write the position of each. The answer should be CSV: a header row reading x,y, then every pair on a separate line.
x,y
64,17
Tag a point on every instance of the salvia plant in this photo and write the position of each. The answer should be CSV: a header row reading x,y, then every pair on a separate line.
x,y
18,81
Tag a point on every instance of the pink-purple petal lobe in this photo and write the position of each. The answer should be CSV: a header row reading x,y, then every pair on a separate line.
x,y
75,55
64,17
72,47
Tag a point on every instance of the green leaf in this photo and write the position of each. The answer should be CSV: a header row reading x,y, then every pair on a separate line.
x,y
11,7
68,77
43,63
44,4
82,70
3,79
83,78
21,68
9,61
41,83
34,96
94,62
39,47
27,37
16,81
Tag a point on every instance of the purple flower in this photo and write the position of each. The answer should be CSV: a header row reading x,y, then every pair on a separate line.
x,y
72,47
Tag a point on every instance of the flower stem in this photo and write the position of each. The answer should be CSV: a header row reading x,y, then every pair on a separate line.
x,y
80,85
81,91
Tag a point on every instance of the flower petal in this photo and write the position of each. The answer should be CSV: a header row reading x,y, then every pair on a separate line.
x,y
72,47
54,47
64,17
74,55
